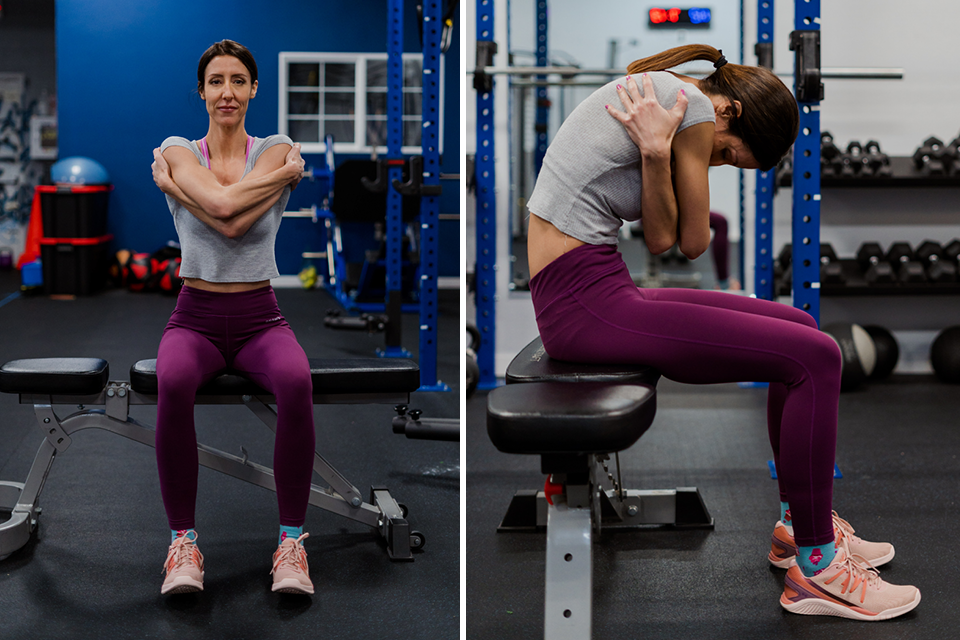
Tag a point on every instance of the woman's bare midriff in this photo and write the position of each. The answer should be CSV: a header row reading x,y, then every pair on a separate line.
x,y
224,287
546,243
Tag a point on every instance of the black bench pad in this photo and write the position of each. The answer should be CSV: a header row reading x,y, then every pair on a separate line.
x,y
63,376
333,375
557,417
534,365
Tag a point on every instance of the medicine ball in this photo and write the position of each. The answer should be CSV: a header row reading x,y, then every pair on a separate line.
x,y
79,171
858,351
138,271
945,355
169,281
119,268
888,351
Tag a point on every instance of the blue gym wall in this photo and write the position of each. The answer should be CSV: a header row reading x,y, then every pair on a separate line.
x,y
126,79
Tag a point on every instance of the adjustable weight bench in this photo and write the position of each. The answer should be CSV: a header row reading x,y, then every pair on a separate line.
x,y
574,416
84,382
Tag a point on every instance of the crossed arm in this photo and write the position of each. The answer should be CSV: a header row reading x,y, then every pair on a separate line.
x,y
675,198
229,209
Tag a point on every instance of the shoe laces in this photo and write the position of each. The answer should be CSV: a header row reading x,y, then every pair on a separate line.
x,y
844,528
860,574
290,555
180,553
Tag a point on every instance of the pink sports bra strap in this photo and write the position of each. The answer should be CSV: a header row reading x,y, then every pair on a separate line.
x,y
206,151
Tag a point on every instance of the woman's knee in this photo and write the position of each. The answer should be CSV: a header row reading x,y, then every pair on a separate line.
x,y
294,382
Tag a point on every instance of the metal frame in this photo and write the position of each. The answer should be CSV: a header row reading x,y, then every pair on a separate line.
x,y
806,174
543,102
486,269
573,519
429,197
394,226
763,229
340,497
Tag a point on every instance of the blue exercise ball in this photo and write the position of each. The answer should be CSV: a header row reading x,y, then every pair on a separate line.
x,y
80,171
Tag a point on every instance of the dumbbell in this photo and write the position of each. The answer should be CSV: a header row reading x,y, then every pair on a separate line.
x,y
902,258
831,271
938,269
876,270
951,252
851,162
874,161
829,153
929,157
953,149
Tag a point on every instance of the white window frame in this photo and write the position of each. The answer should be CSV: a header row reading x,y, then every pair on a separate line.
x,y
360,99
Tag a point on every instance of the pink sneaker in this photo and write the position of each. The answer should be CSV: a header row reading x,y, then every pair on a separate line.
x,y
291,574
847,588
184,567
783,549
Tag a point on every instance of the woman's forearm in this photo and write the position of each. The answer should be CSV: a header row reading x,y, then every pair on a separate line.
x,y
239,224
658,202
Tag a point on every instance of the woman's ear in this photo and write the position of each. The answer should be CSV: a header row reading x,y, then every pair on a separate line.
x,y
730,109
253,94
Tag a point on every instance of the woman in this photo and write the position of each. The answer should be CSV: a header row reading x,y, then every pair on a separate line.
x,y
650,162
227,193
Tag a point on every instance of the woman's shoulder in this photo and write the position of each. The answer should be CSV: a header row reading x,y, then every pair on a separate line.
x,y
178,141
262,144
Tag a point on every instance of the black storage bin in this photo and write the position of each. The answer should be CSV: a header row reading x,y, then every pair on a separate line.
x,y
74,211
74,266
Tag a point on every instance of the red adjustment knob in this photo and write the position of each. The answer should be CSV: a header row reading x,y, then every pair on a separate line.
x,y
550,489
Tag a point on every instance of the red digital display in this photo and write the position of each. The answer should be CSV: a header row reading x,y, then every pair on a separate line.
x,y
660,16
675,17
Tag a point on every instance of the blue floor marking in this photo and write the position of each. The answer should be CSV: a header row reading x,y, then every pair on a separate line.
x,y
10,298
773,470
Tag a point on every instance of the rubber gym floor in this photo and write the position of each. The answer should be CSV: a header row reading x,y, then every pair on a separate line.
x,y
95,568
897,451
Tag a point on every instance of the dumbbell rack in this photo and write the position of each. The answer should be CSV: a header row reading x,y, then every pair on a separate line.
x,y
903,173
856,285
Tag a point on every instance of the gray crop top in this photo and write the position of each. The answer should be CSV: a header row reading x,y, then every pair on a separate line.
x,y
211,256
590,179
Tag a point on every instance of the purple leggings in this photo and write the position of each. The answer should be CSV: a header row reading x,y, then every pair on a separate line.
x,y
589,310
208,333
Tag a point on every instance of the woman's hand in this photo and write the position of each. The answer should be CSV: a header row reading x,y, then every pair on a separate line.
x,y
649,125
294,163
161,172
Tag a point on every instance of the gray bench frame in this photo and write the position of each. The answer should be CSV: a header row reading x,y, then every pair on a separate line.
x,y
341,497
593,498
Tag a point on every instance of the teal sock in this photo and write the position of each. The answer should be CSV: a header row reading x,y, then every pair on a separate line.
x,y
289,532
190,533
785,514
813,560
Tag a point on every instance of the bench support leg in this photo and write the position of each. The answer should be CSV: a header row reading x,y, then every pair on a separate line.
x,y
22,500
682,507
569,581
322,468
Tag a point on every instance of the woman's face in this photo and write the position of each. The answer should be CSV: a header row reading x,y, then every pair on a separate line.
x,y
728,148
227,90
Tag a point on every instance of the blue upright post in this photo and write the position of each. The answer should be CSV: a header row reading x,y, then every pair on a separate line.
x,y
543,102
808,86
430,196
486,285
763,234
394,295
